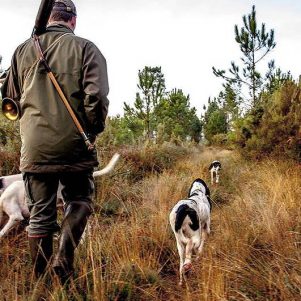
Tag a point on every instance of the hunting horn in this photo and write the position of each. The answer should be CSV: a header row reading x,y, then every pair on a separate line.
x,y
10,108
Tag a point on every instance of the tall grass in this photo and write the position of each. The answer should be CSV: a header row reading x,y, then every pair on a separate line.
x,y
253,252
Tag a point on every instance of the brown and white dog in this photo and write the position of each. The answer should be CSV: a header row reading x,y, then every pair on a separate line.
x,y
190,222
13,202
214,169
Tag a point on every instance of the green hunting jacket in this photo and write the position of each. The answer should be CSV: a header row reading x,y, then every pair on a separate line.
x,y
50,140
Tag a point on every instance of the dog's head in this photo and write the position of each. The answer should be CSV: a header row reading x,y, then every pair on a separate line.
x,y
216,165
199,184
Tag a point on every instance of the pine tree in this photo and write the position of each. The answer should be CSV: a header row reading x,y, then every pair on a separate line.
x,y
178,118
152,88
214,120
255,43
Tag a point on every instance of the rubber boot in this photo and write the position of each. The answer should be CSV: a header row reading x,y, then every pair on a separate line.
x,y
73,226
41,251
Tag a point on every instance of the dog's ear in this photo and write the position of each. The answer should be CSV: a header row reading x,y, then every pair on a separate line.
x,y
206,188
211,165
205,185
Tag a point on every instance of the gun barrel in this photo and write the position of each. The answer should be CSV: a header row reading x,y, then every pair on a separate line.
x,y
43,16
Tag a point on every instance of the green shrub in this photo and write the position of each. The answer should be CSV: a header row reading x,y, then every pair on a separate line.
x,y
273,126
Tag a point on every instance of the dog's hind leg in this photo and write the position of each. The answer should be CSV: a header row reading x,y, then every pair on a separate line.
x,y
212,176
216,177
188,253
205,231
200,248
181,250
12,222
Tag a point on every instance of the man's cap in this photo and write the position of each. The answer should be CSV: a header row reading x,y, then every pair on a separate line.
x,y
68,6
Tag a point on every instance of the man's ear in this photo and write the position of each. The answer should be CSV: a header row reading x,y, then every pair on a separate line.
x,y
73,22
49,20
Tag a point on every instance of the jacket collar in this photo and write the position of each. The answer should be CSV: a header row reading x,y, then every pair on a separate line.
x,y
59,28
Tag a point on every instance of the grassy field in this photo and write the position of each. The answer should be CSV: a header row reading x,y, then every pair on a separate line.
x,y
253,252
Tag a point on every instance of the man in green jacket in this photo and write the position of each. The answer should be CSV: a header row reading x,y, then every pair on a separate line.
x,y
53,150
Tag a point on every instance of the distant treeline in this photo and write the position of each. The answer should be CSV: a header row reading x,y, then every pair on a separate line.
x,y
255,112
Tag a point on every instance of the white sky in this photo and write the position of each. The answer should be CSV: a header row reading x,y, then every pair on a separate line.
x,y
185,37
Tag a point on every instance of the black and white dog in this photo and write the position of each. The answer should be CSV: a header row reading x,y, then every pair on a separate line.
x,y
190,222
214,169
12,196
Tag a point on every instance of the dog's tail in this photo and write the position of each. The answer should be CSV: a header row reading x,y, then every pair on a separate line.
x,y
108,168
181,213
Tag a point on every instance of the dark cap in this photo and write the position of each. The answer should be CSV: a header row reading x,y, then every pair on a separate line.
x,y
68,6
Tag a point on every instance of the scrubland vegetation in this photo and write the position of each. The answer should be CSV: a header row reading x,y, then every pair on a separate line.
x,y
253,252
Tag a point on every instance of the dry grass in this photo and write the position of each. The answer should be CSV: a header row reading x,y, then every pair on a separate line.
x,y
252,254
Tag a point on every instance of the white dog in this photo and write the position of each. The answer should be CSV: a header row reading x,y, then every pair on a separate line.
x,y
13,201
214,169
7,180
190,222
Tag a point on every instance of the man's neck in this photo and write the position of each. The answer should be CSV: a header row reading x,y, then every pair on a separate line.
x,y
53,23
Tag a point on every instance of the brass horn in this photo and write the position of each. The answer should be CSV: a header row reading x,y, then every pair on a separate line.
x,y
11,109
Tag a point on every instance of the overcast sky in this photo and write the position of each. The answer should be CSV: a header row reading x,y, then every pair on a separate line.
x,y
185,37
